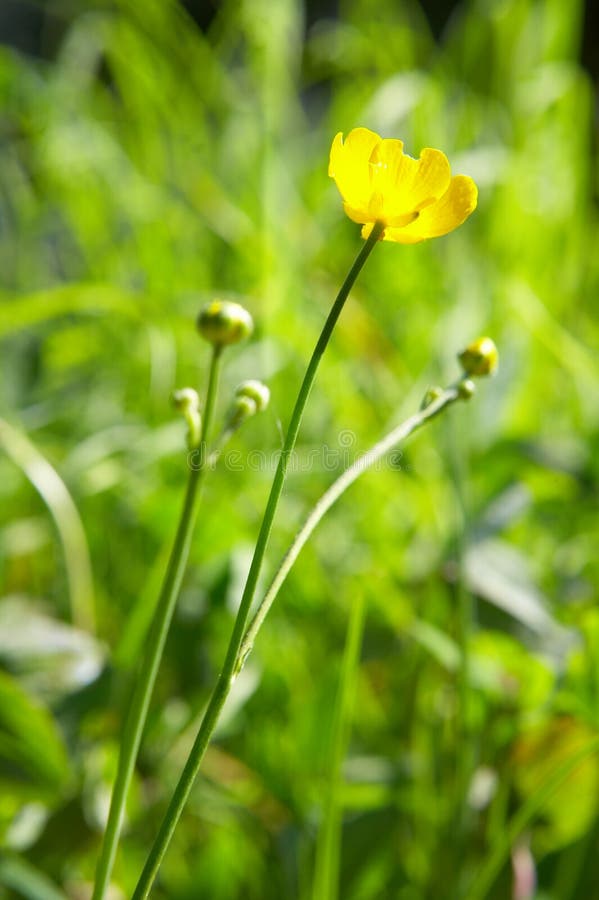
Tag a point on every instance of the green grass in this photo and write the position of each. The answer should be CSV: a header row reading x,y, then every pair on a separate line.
x,y
150,167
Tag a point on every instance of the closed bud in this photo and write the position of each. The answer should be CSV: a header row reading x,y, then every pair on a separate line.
x,y
250,397
480,357
241,409
187,401
223,322
256,391
466,388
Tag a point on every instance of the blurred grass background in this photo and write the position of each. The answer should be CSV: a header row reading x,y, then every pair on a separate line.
x,y
148,163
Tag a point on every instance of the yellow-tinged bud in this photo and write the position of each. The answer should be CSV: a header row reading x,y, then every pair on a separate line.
x,y
223,322
466,388
256,391
480,357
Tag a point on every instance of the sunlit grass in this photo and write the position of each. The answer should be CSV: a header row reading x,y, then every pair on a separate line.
x,y
149,167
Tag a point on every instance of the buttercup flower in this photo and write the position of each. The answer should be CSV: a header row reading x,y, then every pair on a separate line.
x,y
415,199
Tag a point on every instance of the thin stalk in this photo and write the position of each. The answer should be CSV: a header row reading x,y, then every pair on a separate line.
x,y
326,871
146,678
226,677
331,495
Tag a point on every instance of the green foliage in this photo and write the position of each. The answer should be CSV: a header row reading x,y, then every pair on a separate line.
x,y
149,167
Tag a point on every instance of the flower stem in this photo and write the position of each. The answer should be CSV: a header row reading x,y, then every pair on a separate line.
x,y
144,686
226,677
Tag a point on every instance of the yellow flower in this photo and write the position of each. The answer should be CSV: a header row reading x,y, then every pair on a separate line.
x,y
415,199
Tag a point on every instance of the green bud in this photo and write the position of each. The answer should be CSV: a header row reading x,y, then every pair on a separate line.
x,y
480,357
187,401
223,322
242,408
256,391
250,397
466,388
433,393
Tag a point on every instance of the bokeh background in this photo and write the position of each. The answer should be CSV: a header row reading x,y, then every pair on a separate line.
x,y
154,155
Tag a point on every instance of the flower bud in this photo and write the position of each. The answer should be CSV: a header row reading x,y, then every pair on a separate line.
x,y
256,391
223,322
187,401
242,408
480,357
250,397
466,388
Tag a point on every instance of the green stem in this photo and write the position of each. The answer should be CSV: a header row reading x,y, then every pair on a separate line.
x,y
144,686
225,680
326,872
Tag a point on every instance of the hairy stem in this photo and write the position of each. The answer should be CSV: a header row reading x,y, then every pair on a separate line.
x,y
146,678
225,680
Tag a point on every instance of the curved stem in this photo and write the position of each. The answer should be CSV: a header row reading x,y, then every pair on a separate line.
x,y
146,678
225,680
330,496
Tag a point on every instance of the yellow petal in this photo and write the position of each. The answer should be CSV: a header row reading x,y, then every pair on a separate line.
x,y
360,142
432,179
336,154
393,173
349,165
440,217
408,185
403,220
356,215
